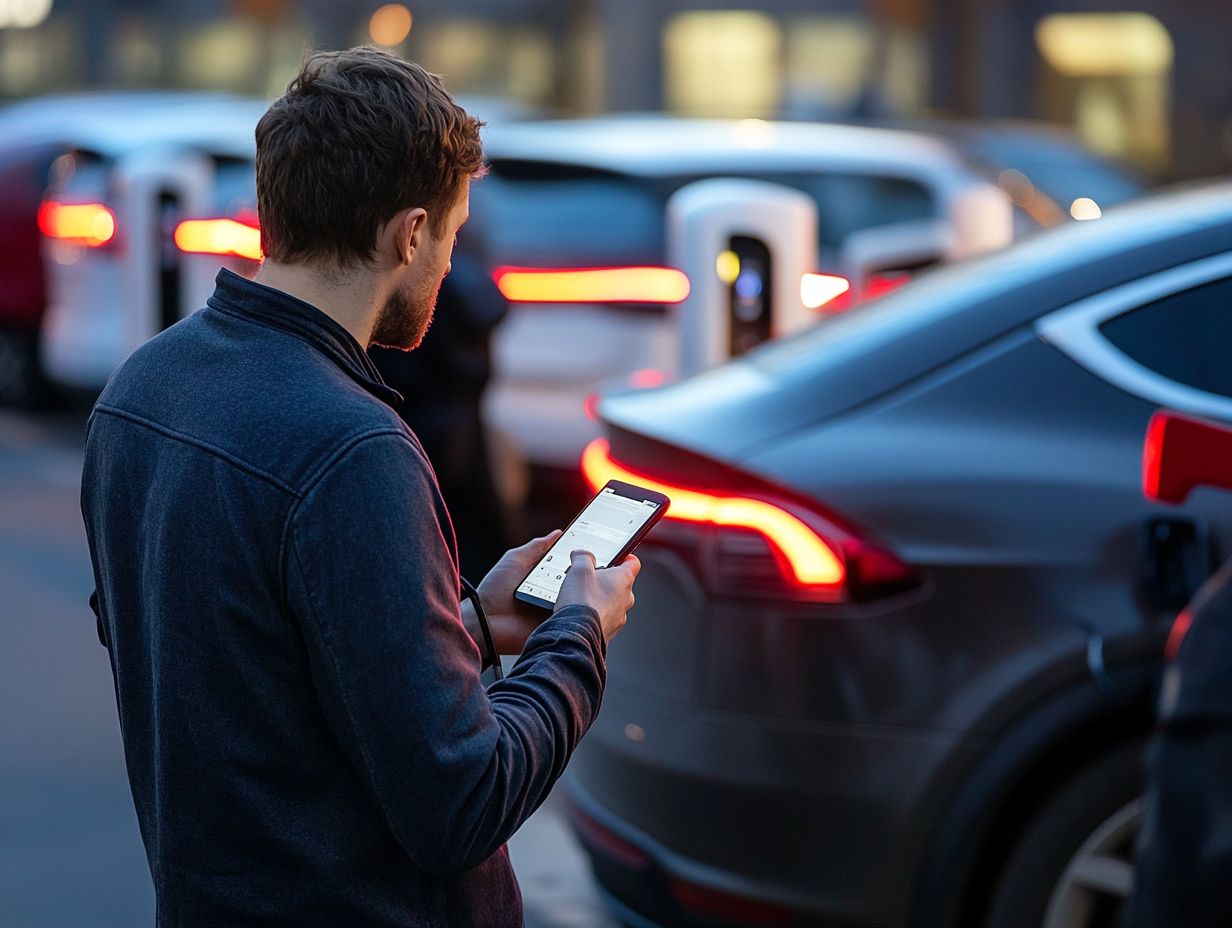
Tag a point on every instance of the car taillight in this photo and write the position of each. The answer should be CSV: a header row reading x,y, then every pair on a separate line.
x,y
663,285
91,225
1176,634
818,291
881,284
1181,453
832,294
763,543
231,237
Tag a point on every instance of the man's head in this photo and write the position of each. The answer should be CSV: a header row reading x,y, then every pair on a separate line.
x,y
365,163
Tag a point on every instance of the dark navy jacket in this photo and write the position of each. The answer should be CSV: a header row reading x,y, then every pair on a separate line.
x,y
307,738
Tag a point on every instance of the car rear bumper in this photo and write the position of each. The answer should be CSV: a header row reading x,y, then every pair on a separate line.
x,y
713,818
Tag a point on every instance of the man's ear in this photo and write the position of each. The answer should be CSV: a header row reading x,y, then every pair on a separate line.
x,y
409,227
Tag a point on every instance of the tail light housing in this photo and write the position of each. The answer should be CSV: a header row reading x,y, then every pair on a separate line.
x,y
89,225
1181,453
755,540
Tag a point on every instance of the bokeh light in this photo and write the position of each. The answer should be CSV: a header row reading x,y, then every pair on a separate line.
x,y
390,25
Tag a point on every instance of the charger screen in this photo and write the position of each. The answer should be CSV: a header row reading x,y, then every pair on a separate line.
x,y
603,528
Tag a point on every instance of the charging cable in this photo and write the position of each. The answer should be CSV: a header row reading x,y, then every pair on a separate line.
x,y
473,595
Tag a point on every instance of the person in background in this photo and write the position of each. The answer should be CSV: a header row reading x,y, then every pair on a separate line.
x,y
442,384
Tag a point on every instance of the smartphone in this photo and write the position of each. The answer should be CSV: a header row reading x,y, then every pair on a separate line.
x,y
610,527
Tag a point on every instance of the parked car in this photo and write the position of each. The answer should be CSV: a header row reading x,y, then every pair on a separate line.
x,y
895,645
33,135
1046,170
592,193
114,276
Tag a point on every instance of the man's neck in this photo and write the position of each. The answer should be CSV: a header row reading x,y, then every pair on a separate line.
x,y
352,299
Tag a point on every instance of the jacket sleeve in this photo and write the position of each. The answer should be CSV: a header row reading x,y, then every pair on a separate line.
x,y
456,768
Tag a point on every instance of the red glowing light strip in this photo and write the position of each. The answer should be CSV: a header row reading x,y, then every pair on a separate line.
x,y
811,561
90,224
1152,455
219,237
1176,635
592,285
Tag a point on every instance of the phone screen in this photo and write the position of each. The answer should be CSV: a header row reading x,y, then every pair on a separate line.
x,y
603,528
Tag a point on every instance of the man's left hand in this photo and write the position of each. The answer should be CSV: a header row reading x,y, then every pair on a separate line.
x,y
511,621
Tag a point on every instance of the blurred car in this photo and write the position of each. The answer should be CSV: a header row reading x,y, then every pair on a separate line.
x,y
1048,173
114,276
584,193
593,193
33,134
895,645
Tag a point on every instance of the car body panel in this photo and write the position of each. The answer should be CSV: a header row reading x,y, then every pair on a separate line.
x,y
850,741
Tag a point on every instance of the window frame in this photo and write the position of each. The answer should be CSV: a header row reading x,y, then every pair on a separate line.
x,y
1075,331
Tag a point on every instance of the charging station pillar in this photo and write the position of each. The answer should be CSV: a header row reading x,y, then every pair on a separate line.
x,y
745,245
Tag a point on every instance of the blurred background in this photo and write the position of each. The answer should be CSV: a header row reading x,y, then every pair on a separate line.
x,y
969,143
1141,81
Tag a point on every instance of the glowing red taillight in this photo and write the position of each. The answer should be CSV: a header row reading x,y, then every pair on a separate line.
x,y
239,238
816,557
1181,453
1176,635
91,225
663,285
881,284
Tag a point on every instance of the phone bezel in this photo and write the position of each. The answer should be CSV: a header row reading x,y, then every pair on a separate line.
x,y
620,488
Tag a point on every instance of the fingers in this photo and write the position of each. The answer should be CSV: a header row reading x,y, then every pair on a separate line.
x,y
633,563
541,543
581,558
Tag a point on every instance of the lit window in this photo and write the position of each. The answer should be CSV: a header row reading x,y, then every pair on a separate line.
x,y
1109,73
723,64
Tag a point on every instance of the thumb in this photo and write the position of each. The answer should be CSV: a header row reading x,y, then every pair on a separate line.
x,y
579,557
540,545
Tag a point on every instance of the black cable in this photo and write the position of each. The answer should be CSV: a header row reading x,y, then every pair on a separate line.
x,y
473,595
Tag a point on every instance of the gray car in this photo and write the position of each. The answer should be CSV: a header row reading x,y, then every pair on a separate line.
x,y
894,659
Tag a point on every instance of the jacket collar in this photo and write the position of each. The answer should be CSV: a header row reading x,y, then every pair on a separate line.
x,y
266,306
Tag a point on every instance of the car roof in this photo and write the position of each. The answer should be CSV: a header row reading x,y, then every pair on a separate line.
x,y
666,146
113,124
732,411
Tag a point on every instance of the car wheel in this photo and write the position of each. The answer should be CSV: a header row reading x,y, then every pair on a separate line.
x,y
1073,865
20,380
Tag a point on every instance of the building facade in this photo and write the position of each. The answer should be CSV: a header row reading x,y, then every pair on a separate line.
x,y
1150,82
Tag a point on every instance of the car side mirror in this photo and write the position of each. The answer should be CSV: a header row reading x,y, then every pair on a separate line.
x,y
1182,453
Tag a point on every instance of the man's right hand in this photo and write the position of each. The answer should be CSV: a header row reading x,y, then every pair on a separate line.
x,y
608,591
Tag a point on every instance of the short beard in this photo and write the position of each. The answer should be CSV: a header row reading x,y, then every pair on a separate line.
x,y
403,321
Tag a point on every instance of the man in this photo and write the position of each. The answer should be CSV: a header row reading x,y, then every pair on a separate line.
x,y
307,738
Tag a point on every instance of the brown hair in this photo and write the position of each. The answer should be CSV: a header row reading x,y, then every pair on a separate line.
x,y
359,136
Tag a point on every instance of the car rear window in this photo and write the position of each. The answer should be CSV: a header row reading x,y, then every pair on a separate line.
x,y
1186,337
547,214
535,212
82,176
235,186
849,203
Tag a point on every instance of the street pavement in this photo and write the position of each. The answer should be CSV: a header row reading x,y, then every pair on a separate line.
x,y
70,852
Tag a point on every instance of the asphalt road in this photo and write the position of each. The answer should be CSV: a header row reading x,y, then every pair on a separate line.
x,y
70,852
